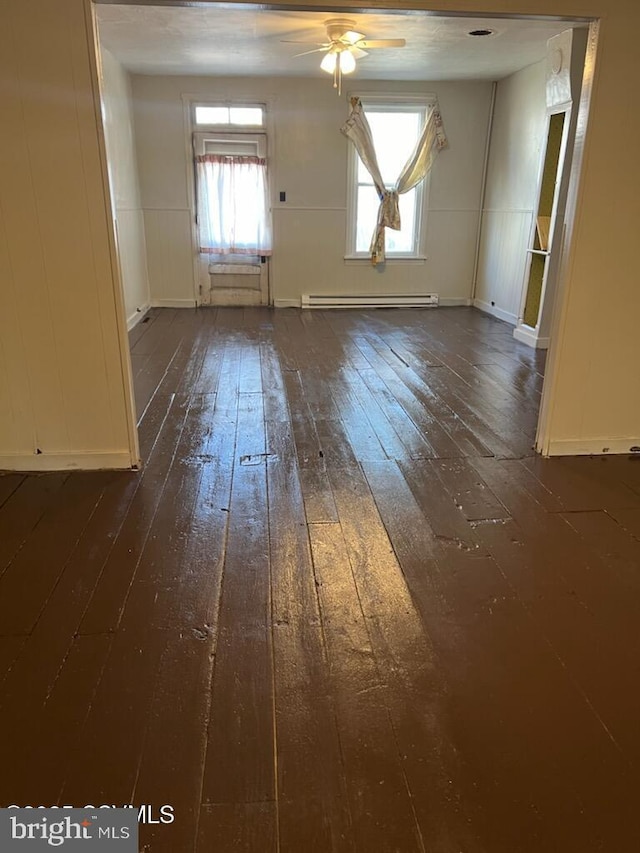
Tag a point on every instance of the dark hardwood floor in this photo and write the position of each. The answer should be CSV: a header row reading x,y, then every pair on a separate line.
x,y
343,607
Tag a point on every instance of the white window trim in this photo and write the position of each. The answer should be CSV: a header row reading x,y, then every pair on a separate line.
x,y
392,101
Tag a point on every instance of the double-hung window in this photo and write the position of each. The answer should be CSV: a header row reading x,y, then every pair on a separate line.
x,y
396,125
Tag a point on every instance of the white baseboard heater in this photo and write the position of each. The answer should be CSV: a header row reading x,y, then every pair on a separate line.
x,y
429,300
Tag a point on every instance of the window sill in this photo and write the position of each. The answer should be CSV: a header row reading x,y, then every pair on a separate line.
x,y
390,259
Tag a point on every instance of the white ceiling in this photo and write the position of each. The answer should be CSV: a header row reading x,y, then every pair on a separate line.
x,y
246,41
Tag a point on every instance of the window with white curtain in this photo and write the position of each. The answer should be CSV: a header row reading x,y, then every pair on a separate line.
x,y
396,124
232,195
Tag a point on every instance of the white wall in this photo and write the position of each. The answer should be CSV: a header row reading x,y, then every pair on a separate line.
x,y
517,137
65,396
125,191
309,162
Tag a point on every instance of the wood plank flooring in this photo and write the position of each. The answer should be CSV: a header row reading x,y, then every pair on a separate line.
x,y
343,608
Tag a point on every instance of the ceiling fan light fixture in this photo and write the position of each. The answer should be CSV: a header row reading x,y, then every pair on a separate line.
x,y
338,61
328,63
347,62
344,46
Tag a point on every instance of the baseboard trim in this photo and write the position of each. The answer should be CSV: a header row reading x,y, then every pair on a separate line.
x,y
454,301
286,303
594,447
137,315
527,335
173,303
93,461
500,313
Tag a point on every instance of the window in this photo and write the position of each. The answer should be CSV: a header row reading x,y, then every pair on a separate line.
x,y
396,125
245,115
232,195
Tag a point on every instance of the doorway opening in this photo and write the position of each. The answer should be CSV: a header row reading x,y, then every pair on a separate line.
x,y
547,202
166,223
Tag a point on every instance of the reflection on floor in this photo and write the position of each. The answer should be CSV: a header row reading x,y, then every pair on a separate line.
x,y
343,607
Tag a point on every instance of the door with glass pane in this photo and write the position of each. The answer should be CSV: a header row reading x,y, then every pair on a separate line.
x,y
233,218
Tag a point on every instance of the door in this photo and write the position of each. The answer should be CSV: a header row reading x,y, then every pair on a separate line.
x,y
534,319
233,218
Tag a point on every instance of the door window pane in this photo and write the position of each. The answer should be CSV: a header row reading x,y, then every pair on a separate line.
x,y
212,115
245,115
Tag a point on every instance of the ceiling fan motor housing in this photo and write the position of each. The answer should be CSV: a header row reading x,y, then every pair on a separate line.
x,y
337,27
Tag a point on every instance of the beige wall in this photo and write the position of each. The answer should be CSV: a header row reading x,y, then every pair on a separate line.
x,y
62,385
125,192
517,136
309,161
64,399
593,392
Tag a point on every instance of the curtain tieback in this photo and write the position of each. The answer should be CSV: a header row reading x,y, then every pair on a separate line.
x,y
389,210
388,217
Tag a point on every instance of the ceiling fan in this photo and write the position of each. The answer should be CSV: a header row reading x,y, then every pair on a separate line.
x,y
343,46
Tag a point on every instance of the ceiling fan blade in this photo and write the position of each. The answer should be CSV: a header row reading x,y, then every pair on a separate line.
x,y
351,37
315,50
373,43
357,53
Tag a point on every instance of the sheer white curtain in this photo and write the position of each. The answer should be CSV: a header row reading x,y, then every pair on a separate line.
x,y
233,205
432,139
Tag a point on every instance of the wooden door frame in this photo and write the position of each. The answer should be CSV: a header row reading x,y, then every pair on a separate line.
x,y
126,371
